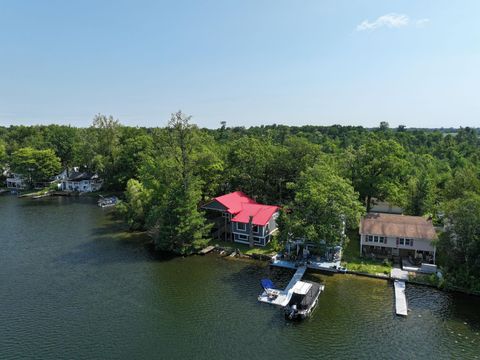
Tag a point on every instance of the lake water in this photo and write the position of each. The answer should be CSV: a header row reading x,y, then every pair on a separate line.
x,y
73,286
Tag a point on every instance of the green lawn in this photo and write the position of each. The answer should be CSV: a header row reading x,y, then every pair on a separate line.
x,y
354,262
33,192
245,249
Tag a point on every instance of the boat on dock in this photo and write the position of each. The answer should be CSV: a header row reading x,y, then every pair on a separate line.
x,y
269,288
298,299
107,201
304,299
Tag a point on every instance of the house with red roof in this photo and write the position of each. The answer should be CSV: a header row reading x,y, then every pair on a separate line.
x,y
239,218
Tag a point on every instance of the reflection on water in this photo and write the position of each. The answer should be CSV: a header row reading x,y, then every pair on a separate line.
x,y
73,286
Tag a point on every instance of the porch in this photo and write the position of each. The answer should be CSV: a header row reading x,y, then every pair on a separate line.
x,y
221,225
415,257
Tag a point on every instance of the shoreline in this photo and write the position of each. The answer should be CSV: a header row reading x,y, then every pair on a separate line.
x,y
267,258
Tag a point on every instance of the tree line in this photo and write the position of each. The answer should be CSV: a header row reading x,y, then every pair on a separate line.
x,y
324,177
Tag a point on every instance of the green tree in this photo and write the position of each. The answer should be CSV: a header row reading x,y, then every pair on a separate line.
x,y
209,165
465,179
421,193
176,223
133,150
105,140
3,153
135,206
248,161
62,139
325,205
37,165
378,170
459,246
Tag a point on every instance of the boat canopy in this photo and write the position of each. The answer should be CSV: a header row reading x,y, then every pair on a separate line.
x,y
267,284
301,287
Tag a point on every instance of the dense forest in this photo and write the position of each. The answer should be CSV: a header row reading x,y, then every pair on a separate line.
x,y
322,176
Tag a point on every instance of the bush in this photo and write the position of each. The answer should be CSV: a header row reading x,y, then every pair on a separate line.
x,y
386,262
276,244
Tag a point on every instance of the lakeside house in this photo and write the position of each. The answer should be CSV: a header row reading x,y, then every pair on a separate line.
x,y
379,206
237,217
16,182
81,182
392,235
57,179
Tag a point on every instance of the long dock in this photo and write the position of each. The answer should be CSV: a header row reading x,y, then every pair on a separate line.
x,y
285,295
400,298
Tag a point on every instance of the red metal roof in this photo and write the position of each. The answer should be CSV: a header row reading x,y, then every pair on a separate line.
x,y
261,214
240,205
233,201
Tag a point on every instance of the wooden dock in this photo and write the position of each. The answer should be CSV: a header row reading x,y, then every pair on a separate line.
x,y
206,250
400,298
285,295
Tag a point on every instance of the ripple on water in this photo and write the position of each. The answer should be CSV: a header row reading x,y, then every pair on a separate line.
x,y
70,289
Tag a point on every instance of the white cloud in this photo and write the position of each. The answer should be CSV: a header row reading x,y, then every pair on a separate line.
x,y
391,20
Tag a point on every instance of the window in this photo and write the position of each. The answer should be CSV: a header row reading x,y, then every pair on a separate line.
x,y
241,226
375,239
255,229
241,237
407,242
256,240
382,239
402,241
370,238
411,242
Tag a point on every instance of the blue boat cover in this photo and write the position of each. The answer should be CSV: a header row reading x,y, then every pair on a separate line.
x,y
267,284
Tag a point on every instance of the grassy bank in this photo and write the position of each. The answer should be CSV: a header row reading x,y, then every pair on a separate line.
x,y
33,192
245,249
354,262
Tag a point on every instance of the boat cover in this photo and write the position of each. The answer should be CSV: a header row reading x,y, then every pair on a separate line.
x,y
303,302
267,284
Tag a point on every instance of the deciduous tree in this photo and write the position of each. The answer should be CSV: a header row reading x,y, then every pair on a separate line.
x,y
325,204
37,165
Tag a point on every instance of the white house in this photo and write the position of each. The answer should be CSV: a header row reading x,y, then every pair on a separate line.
x,y
63,175
82,182
397,235
16,182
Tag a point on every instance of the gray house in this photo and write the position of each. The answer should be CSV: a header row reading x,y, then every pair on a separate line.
x,y
390,235
238,218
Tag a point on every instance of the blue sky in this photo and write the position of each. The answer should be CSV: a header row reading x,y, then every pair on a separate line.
x,y
355,62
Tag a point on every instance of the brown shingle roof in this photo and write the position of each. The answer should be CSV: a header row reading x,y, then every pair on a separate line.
x,y
397,226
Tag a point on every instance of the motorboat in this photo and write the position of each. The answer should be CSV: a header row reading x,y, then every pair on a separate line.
x,y
304,299
107,201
